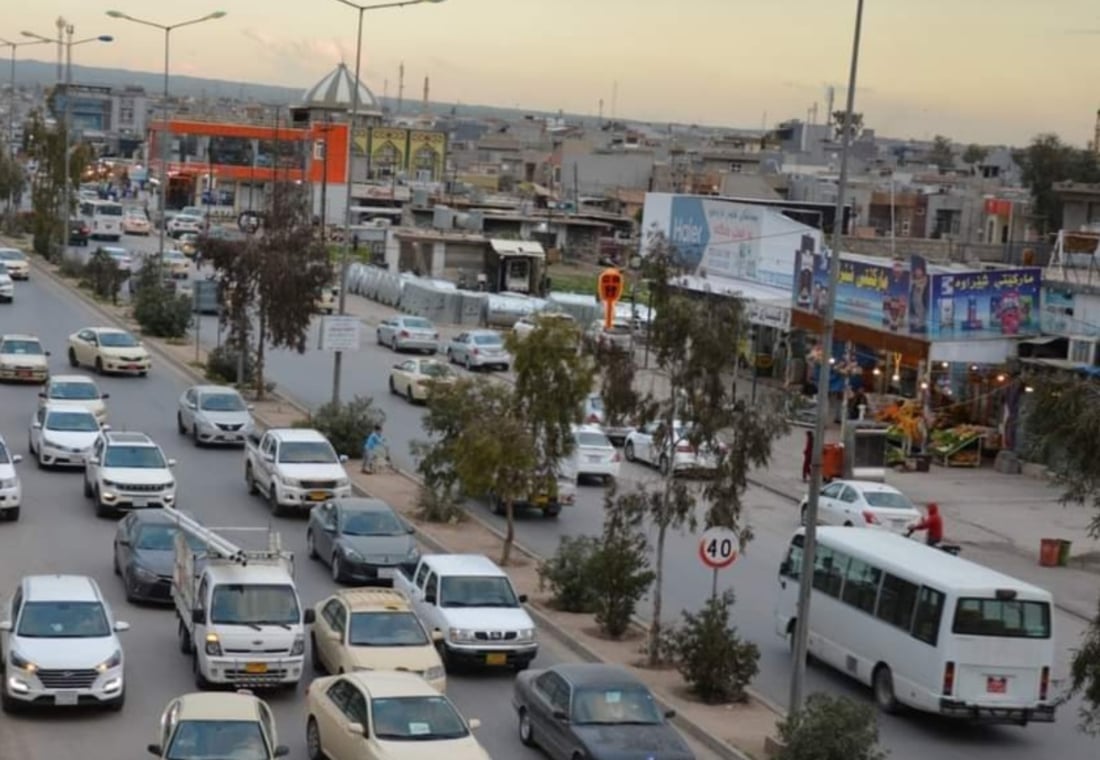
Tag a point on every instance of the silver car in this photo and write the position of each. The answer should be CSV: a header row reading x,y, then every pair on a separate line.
x,y
478,349
408,333
214,414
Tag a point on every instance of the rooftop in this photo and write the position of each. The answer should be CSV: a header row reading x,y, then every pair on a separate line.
x,y
297,434
462,564
392,683
360,599
132,439
61,588
210,705
595,673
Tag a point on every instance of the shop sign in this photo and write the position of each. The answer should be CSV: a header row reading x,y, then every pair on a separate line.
x,y
768,314
986,304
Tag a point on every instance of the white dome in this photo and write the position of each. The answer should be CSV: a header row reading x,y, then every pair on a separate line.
x,y
335,92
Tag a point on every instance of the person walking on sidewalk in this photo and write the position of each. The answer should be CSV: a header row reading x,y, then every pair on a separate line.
x,y
371,446
807,455
931,522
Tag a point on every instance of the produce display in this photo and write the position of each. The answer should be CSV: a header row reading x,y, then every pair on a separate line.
x,y
960,446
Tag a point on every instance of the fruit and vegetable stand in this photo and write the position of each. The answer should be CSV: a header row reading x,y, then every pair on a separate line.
x,y
960,446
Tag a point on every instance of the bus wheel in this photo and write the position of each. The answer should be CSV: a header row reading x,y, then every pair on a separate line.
x,y
884,690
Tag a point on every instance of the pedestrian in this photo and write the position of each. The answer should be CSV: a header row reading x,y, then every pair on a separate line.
x,y
807,455
858,399
371,445
931,522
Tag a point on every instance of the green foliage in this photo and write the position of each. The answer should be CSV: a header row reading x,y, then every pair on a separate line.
x,y
830,728
619,570
71,267
716,664
1085,677
221,365
439,506
46,146
974,154
568,574
942,154
1046,161
620,398
12,179
103,276
159,311
348,424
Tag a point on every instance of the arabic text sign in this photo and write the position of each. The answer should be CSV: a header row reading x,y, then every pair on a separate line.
x,y
986,304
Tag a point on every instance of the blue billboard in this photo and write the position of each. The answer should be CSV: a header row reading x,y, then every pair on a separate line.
x,y
990,304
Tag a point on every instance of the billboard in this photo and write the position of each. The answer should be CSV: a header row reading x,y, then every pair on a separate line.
x,y
986,304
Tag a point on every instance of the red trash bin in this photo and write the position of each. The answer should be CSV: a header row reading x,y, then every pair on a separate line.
x,y
832,461
1049,549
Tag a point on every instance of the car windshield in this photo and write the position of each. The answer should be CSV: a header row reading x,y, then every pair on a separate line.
x,y
22,347
371,524
386,629
476,591
416,719
218,740
615,705
3,268
10,255
255,604
887,499
5,457
144,457
417,322
306,452
434,369
161,538
108,209
72,422
488,340
117,340
595,403
1005,618
222,402
63,620
74,391
594,440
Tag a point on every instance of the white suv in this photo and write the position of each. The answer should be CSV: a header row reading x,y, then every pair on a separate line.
x,y
60,648
128,471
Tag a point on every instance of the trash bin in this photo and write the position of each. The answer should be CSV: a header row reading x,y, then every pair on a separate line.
x,y
832,461
1063,552
1049,550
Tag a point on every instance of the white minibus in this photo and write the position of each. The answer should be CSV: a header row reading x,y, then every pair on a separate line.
x,y
923,628
104,219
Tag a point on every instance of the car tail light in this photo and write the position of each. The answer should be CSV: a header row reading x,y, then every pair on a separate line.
x,y
592,419
870,518
476,352
1044,684
949,679
404,333
615,457
685,448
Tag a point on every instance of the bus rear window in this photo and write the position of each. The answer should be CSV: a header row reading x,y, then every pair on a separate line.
x,y
1007,618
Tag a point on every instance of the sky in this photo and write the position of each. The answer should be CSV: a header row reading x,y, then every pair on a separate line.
x,y
988,71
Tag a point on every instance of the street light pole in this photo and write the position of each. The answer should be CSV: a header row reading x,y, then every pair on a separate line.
x,y
345,257
802,627
11,109
165,132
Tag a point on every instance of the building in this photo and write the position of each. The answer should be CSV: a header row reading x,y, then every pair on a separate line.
x,y
113,117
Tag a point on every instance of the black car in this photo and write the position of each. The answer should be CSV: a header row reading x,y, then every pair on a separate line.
x,y
144,554
594,711
79,232
362,540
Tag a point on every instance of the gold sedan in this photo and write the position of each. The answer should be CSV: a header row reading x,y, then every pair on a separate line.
x,y
414,378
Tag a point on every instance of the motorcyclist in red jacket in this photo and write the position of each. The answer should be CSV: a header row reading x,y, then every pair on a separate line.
x,y
931,522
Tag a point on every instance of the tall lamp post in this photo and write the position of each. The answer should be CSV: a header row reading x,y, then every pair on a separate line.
x,y
11,107
66,40
345,258
165,134
802,628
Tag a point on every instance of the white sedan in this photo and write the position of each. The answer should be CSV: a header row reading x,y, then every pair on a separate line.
x,y
865,504
63,436
108,350
11,490
677,453
594,455
477,349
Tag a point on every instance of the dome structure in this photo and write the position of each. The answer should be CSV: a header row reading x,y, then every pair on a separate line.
x,y
335,92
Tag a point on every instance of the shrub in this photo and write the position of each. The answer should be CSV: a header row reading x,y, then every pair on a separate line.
x,y
830,728
103,276
160,312
71,267
711,657
348,424
221,365
619,569
438,505
568,574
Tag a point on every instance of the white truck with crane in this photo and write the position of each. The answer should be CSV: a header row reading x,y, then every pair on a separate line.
x,y
239,614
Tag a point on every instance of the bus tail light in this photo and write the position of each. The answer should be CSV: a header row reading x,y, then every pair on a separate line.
x,y
948,679
870,518
1044,684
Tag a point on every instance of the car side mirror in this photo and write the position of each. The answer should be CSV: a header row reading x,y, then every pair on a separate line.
x,y
192,405
334,636
474,724
36,425
104,396
437,636
198,617
561,715
429,597
523,598
785,567
343,458
355,728
47,353
269,458
154,749
309,617
171,462
94,461
121,626
5,625
42,394
397,366
105,427
670,714
16,458
250,407
122,541
282,750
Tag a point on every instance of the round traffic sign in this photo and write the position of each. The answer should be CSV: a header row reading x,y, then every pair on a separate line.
x,y
718,547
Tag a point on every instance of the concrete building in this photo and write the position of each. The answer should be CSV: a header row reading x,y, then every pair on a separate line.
x,y
115,118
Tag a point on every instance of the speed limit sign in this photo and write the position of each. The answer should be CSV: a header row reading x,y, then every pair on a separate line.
x,y
718,548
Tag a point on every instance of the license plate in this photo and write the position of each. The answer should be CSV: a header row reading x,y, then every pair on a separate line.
x,y
385,572
317,495
595,458
496,659
134,366
996,685
140,502
66,698
255,667
23,373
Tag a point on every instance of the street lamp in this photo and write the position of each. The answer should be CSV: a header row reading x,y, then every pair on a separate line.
x,y
345,258
165,132
802,626
11,107
65,38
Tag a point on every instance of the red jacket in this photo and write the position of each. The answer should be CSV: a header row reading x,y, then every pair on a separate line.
x,y
933,523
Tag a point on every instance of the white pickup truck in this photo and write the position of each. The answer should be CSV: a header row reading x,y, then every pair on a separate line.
x,y
473,604
239,614
294,468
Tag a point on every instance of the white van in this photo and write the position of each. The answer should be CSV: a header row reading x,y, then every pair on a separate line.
x,y
104,219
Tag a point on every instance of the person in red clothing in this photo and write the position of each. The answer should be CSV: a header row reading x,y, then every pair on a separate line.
x,y
807,456
931,522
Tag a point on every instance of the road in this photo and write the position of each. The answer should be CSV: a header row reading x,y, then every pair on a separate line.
x,y
307,379
58,533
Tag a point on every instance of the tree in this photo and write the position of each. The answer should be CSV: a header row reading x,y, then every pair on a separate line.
x,y
942,154
46,147
1062,431
711,657
693,345
830,728
974,154
620,397
1048,160
619,568
12,182
838,125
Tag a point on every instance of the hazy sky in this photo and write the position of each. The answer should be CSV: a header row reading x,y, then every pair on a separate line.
x,y
995,71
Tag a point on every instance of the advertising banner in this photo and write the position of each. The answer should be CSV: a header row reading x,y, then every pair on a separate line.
x,y
990,304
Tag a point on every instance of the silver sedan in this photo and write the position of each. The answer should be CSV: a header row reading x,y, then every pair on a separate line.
x,y
408,333
214,414
477,349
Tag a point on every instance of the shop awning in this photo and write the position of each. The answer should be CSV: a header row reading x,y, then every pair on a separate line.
x,y
764,305
526,248
912,348
1042,340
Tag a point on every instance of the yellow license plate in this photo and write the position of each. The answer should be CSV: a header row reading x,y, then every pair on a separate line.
x,y
255,667
317,496
541,500
496,659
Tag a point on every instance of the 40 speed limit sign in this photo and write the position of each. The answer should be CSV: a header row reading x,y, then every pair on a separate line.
x,y
718,548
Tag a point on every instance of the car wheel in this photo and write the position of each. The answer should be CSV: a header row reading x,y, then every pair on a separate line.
x,y
116,704
179,424
200,680
378,337
526,733
114,564
315,657
87,488
184,639
311,546
98,366
337,570
250,480
313,741
73,362
393,388
11,514
273,501
101,509
195,437
628,451
7,702
884,690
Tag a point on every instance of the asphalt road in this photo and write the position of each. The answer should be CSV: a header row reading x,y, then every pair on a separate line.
x,y
687,584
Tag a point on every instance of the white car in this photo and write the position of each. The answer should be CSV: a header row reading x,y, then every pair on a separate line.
x,y
677,452
181,223
19,268
62,436
120,256
7,287
58,637
232,725
524,326
23,359
214,414
407,333
478,349
128,471
108,349
594,413
863,503
11,489
594,455
78,391
177,265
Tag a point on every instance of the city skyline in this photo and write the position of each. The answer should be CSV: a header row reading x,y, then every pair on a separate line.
x,y
945,67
